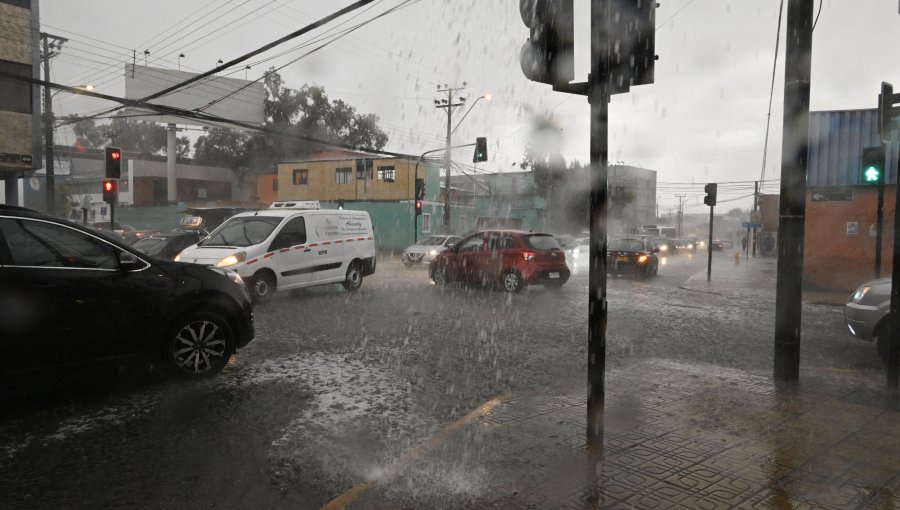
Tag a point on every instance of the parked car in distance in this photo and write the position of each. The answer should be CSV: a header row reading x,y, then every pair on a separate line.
x,y
291,245
866,313
511,259
73,298
427,249
718,245
634,256
166,246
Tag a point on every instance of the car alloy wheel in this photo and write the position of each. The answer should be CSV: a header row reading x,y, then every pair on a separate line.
x,y
512,282
354,277
440,276
199,345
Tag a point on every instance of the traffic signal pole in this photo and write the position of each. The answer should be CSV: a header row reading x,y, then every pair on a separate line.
x,y
598,97
709,245
792,206
879,222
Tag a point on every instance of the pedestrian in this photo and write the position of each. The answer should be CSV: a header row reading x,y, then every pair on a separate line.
x,y
744,243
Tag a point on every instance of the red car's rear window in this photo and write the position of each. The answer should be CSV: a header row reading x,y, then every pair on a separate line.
x,y
541,242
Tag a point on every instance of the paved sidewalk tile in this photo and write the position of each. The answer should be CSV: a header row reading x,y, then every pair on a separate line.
x,y
679,436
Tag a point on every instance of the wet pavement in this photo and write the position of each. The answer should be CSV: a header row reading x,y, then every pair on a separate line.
x,y
676,435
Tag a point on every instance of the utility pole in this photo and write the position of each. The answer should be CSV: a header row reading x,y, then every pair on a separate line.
x,y
449,106
753,240
792,206
680,213
52,47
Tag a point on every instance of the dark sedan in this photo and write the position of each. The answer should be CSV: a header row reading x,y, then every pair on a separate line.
x,y
167,246
632,256
73,298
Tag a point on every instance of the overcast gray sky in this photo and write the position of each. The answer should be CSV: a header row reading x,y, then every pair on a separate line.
x,y
702,121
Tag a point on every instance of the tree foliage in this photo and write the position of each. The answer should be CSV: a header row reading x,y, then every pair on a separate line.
x,y
130,135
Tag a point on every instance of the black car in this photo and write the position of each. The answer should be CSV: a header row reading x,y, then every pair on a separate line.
x,y
73,298
167,246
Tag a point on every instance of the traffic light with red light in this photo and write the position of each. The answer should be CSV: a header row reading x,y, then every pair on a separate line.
x,y
110,188
113,163
711,189
418,207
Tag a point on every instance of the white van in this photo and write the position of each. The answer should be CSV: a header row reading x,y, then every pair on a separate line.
x,y
290,245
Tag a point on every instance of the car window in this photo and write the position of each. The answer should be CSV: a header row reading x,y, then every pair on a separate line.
x,y
243,231
292,234
472,243
44,244
626,245
541,242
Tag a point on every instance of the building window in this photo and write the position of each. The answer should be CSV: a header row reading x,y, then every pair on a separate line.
x,y
426,223
301,176
386,173
363,169
16,95
342,175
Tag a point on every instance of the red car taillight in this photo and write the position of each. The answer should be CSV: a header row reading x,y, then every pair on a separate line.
x,y
528,255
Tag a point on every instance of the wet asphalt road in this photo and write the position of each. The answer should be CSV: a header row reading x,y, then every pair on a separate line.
x,y
337,385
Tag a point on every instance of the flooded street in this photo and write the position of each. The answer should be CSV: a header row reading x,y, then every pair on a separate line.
x,y
337,386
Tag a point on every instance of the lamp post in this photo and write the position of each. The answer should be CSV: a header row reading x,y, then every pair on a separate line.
x,y
486,97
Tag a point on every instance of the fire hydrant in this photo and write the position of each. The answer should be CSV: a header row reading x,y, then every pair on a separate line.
x,y
737,258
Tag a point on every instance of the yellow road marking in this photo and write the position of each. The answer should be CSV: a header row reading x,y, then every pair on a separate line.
x,y
413,454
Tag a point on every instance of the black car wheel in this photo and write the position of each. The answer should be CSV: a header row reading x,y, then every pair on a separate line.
x,y
262,287
512,281
198,345
439,275
354,277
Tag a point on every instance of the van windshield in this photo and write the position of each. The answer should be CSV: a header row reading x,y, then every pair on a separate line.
x,y
243,231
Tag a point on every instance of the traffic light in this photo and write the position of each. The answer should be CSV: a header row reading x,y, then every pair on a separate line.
x,y
109,191
113,163
886,111
633,46
420,188
710,198
548,55
418,207
480,150
872,169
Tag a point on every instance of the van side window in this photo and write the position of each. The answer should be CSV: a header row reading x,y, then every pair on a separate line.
x,y
292,234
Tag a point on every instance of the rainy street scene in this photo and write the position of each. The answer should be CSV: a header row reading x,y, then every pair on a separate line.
x,y
404,254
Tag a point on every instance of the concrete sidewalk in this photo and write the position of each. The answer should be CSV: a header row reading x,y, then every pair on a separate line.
x,y
676,436
753,276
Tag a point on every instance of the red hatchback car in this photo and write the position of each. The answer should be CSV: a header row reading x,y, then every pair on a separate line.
x,y
511,259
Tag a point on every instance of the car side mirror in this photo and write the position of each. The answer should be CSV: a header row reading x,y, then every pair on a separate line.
x,y
128,261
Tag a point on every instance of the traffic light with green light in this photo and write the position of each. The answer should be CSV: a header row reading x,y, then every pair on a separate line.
x,y
872,169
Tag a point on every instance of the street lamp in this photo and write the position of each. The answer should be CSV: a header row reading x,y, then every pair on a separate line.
x,y
486,97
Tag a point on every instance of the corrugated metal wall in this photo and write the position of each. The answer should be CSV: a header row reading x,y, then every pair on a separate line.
x,y
836,141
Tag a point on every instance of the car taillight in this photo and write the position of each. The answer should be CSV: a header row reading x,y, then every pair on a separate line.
x,y
642,259
528,255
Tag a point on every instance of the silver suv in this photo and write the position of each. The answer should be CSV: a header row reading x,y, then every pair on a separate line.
x,y
866,313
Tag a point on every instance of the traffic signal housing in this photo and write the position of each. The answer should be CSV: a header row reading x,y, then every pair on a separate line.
x,y
480,150
418,207
113,163
872,169
633,47
110,188
420,188
711,189
548,55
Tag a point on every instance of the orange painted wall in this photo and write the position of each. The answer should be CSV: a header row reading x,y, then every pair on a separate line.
x,y
836,260
267,188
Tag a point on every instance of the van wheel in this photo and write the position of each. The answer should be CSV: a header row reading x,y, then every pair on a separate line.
x,y
354,277
262,287
512,281
197,345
